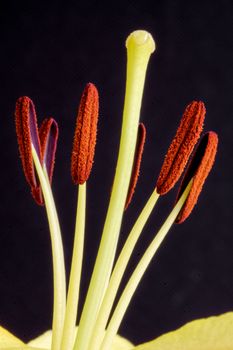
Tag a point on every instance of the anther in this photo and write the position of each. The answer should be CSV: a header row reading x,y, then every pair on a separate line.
x,y
137,163
181,147
198,170
48,134
85,135
27,135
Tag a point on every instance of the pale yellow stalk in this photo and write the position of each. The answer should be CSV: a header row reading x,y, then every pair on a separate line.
x,y
57,255
75,273
139,271
118,271
139,45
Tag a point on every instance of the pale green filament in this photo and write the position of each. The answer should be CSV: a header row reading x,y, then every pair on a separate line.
x,y
139,271
118,272
75,273
140,45
57,255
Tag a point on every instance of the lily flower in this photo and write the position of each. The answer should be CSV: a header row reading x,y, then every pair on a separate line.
x,y
97,328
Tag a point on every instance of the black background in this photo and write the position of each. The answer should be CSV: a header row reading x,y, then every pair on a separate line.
x,y
49,51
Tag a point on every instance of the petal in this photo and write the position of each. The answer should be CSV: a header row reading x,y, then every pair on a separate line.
x,y
44,341
121,343
8,340
213,333
24,347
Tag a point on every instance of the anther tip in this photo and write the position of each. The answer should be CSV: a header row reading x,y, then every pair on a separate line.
x,y
91,86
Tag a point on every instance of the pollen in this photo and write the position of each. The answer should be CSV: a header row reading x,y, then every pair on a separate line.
x,y
198,170
27,134
177,156
85,135
137,163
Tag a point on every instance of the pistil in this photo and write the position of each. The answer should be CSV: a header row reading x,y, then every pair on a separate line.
x,y
139,45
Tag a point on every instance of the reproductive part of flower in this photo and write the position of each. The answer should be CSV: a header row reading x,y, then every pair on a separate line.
x,y
27,134
200,165
44,142
48,134
85,135
137,163
96,313
187,135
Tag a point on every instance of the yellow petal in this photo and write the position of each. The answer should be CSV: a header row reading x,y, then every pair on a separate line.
x,y
120,343
23,347
213,333
44,342
8,340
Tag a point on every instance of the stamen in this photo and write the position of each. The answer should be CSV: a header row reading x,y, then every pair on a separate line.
x,y
138,273
186,137
48,134
85,135
137,163
198,169
27,134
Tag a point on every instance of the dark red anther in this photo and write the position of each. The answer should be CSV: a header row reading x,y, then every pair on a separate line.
x,y
198,170
187,135
85,135
27,134
137,163
44,143
48,134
